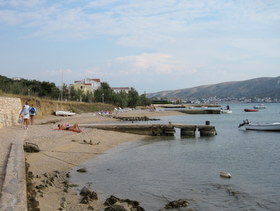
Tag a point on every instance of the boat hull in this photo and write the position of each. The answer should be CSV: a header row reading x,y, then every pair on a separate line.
x,y
259,107
263,127
250,110
64,113
226,111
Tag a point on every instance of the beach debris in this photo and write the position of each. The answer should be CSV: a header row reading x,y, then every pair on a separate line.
x,y
31,147
115,203
177,204
225,174
87,195
90,142
82,170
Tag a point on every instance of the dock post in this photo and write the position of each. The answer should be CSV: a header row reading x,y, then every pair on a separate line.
x,y
169,131
207,131
188,131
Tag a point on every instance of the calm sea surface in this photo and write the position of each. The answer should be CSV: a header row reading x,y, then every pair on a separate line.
x,y
155,171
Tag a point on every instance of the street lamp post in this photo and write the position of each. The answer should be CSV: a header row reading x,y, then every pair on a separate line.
x,y
102,97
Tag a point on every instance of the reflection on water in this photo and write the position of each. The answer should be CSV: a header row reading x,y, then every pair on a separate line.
x,y
155,171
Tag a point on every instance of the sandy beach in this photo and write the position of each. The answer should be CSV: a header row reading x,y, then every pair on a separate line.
x,y
61,151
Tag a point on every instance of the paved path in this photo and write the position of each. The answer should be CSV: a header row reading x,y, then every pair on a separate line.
x,y
7,137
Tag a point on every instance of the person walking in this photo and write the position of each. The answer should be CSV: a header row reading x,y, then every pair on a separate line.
x,y
32,113
24,113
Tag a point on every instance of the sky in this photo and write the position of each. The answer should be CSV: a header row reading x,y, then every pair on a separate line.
x,y
151,45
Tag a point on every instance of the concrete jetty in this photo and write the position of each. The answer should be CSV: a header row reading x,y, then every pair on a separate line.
x,y
156,129
200,111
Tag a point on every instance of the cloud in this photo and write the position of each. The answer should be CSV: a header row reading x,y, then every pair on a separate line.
x,y
148,63
20,3
139,39
138,23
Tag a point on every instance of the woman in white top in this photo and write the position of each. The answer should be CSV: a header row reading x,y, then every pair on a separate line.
x,y
25,114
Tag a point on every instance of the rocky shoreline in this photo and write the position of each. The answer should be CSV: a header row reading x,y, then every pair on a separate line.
x,y
38,186
49,186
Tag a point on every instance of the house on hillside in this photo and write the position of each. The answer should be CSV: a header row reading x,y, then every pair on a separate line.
x,y
87,84
119,89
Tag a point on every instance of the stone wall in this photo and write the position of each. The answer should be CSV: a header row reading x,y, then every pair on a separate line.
x,y
9,111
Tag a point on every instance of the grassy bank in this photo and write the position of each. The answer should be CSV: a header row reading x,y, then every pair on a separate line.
x,y
48,107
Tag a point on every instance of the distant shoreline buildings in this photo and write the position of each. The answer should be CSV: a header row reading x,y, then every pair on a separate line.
x,y
219,100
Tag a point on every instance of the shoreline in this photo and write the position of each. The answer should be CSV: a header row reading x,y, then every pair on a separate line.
x,y
61,151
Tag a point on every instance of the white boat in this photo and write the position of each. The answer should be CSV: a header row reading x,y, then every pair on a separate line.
x,y
64,113
262,127
261,106
224,111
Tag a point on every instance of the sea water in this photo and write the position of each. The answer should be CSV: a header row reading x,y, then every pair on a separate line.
x,y
163,169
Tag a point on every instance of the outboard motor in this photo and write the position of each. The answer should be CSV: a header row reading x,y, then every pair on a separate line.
x,y
245,122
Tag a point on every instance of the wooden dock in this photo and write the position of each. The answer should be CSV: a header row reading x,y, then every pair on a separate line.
x,y
156,129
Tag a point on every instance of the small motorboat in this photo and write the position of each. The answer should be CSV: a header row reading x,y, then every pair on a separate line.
x,y
258,126
250,110
260,106
225,111
225,174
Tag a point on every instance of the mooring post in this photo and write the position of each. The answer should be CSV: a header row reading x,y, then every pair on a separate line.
x,y
188,131
207,131
169,130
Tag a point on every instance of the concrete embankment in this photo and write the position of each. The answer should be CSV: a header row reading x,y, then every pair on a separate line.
x,y
13,180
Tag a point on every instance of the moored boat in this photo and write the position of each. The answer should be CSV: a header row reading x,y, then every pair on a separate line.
x,y
261,106
260,126
224,111
250,110
64,113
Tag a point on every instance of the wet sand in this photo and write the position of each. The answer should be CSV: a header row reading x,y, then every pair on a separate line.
x,y
62,151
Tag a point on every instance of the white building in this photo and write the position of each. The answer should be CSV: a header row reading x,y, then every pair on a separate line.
x,y
119,89
87,84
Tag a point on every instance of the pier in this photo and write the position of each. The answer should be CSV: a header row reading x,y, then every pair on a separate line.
x,y
157,129
201,111
135,119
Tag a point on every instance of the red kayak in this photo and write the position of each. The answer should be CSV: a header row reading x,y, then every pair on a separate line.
x,y
250,110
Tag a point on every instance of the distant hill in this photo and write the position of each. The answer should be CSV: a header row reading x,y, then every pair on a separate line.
x,y
258,87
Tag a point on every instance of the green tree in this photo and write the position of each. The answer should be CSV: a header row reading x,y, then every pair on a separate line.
x,y
104,94
133,98
121,99
144,101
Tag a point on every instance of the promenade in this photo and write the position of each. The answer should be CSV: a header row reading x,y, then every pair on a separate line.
x,y
12,172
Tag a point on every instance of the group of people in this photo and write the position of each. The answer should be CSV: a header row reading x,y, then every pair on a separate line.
x,y
27,113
